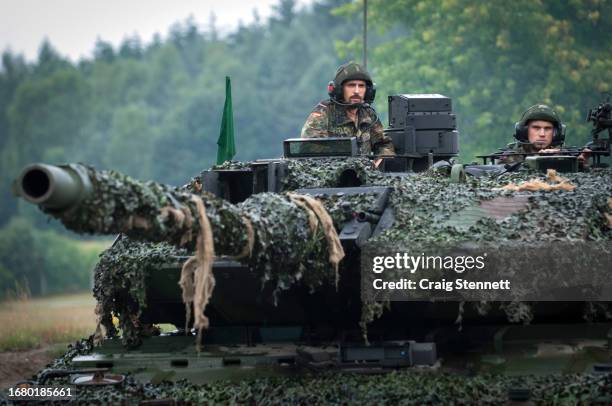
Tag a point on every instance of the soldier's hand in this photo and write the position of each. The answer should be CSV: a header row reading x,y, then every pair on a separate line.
x,y
549,150
584,155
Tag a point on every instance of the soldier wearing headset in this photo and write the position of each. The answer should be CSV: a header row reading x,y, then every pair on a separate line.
x,y
539,130
348,113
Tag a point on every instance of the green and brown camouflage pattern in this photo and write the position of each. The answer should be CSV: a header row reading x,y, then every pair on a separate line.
x,y
329,119
518,148
540,112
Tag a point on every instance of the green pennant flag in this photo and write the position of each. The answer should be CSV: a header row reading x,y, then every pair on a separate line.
x,y
226,146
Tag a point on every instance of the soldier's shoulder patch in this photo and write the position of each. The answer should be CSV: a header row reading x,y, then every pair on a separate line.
x,y
321,108
316,114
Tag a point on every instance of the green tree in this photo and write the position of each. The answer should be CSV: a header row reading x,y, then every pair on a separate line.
x,y
14,70
21,257
131,136
45,118
44,261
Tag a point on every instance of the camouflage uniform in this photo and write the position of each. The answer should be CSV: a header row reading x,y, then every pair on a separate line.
x,y
329,119
514,147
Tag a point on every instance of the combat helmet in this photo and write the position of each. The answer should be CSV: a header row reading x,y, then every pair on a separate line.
x,y
540,112
351,71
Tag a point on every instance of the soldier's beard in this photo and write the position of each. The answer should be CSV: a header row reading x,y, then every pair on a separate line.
x,y
355,99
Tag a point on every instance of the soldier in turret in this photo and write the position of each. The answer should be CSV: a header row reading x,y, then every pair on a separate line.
x,y
348,113
538,131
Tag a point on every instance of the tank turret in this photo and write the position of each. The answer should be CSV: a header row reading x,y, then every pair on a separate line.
x,y
281,238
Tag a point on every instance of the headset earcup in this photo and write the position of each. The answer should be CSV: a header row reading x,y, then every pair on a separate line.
x,y
559,136
334,91
331,88
338,94
370,93
520,132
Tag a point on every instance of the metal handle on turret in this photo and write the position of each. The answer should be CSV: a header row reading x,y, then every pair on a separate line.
x,y
53,187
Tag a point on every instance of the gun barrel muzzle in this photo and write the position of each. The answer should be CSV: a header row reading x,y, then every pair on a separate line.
x,y
53,187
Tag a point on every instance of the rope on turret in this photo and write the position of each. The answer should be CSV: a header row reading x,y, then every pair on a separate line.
x,y
183,219
317,214
197,279
98,337
555,183
313,222
135,221
247,250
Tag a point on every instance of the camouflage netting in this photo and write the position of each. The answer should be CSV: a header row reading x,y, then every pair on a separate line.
x,y
327,172
119,284
320,172
344,389
284,249
426,204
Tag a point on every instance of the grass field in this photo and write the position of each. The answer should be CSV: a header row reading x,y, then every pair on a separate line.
x,y
32,323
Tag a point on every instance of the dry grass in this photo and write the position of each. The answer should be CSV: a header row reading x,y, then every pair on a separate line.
x,y
32,323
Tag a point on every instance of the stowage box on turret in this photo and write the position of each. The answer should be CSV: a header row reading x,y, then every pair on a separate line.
x,y
423,124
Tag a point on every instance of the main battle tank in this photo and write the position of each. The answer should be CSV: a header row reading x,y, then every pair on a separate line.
x,y
270,264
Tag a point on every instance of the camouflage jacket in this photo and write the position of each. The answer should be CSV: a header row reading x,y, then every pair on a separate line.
x,y
331,120
516,147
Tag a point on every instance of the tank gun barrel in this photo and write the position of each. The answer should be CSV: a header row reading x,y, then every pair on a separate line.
x,y
53,187
89,201
258,231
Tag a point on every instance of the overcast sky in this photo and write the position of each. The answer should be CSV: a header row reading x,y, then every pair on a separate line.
x,y
73,26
